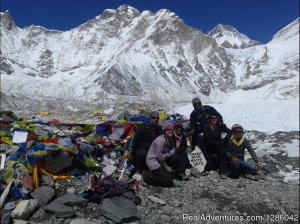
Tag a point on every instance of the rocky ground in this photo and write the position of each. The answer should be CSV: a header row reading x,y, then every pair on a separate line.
x,y
199,197
206,199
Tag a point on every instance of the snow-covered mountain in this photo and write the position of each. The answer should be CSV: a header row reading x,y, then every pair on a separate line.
x,y
124,55
229,37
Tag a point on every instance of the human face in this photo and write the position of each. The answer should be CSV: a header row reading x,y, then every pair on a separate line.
x,y
238,133
169,132
154,120
197,105
214,119
178,131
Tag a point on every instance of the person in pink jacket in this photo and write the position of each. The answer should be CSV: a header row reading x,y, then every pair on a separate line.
x,y
161,159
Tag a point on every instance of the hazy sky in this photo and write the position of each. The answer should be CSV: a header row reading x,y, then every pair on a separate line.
x,y
258,19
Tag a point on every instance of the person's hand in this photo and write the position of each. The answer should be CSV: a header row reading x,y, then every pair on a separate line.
x,y
189,135
235,160
257,166
161,158
126,153
177,144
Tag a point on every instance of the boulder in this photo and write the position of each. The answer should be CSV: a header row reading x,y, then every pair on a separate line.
x,y
156,200
119,210
24,209
71,200
59,210
43,195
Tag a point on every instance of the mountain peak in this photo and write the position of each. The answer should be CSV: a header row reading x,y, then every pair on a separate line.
x,y
289,31
229,37
7,20
128,9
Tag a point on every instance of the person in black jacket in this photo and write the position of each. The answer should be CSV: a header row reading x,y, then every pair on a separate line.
x,y
198,118
237,144
214,145
144,136
180,149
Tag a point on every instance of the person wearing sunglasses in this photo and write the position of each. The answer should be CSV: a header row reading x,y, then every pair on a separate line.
x,y
198,118
237,144
144,136
214,145
161,160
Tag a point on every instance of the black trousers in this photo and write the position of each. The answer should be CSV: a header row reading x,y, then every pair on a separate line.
x,y
139,159
161,176
215,158
184,162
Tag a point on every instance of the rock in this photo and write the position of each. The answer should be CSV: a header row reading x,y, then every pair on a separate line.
x,y
109,170
91,205
176,203
241,184
71,190
177,183
149,221
24,209
57,162
260,175
289,167
264,193
59,210
195,172
71,200
48,180
156,200
57,185
19,221
119,210
164,218
43,195
267,200
38,214
80,221
5,218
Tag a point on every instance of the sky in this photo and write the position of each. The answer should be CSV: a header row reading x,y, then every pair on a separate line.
x,y
258,19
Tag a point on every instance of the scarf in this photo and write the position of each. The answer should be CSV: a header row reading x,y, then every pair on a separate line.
x,y
237,142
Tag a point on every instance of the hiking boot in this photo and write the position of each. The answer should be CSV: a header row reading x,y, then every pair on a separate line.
x,y
183,176
204,173
223,176
251,177
144,183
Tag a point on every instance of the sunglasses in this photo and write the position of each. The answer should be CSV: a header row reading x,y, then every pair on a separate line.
x,y
214,118
155,118
238,132
196,104
169,129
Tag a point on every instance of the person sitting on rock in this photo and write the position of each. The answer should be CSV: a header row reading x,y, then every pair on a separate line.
x,y
181,147
214,145
161,159
237,144
144,136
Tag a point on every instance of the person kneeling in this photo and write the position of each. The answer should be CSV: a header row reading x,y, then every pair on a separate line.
x,y
161,158
236,152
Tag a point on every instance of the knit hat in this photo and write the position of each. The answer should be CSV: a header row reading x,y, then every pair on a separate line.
x,y
237,126
168,126
213,114
196,99
154,114
178,126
